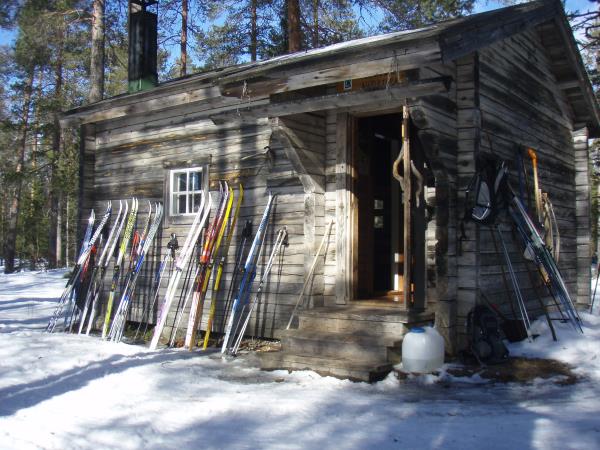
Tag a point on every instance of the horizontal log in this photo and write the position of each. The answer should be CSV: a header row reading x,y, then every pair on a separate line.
x,y
137,105
338,101
348,70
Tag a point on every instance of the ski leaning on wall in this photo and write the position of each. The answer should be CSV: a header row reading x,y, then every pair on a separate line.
x,y
118,325
280,241
249,273
222,256
544,260
182,260
168,260
117,269
99,270
192,290
68,295
207,260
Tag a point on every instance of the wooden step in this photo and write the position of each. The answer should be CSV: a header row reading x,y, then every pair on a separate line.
x,y
363,348
328,366
392,323
359,341
370,313
391,330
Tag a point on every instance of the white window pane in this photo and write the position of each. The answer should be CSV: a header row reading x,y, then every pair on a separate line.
x,y
196,202
181,204
196,181
185,188
181,182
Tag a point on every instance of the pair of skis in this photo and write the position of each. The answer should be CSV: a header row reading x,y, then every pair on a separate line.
x,y
197,289
207,261
544,260
248,275
182,260
147,237
211,254
131,219
280,242
212,241
97,278
222,256
67,299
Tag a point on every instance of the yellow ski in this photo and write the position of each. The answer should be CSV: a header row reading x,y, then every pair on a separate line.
x,y
225,250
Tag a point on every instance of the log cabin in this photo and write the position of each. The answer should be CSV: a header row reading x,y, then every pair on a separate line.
x,y
321,129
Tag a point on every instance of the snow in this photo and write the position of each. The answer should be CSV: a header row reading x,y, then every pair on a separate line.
x,y
60,391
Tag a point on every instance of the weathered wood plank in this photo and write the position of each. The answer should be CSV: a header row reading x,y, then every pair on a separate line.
x,y
337,101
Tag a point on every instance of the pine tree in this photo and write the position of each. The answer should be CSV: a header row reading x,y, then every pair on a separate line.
x,y
97,55
409,14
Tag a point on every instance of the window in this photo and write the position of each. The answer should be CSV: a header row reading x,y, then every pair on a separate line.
x,y
185,187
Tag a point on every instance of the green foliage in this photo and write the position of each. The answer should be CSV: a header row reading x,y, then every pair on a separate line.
x,y
8,11
51,44
408,14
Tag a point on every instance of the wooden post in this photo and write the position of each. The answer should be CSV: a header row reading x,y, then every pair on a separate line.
x,y
582,218
407,198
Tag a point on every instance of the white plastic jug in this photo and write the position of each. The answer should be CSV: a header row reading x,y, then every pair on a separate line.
x,y
422,350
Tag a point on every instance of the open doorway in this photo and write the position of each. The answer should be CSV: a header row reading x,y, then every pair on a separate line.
x,y
380,218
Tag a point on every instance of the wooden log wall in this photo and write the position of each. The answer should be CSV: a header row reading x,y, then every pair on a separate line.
x,y
133,158
468,125
87,149
330,280
517,103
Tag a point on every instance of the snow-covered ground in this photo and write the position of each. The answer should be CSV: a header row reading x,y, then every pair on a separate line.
x,y
61,391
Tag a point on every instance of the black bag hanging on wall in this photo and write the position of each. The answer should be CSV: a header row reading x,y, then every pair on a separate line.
x,y
483,196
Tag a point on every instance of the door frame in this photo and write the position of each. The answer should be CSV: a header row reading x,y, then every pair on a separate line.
x,y
346,288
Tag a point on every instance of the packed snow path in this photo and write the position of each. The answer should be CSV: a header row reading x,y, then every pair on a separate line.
x,y
60,391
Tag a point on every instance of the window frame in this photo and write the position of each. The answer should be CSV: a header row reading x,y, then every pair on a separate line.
x,y
174,193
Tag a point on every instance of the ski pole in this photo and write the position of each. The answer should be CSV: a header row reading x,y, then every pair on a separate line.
x,y
515,283
280,241
310,273
249,271
172,246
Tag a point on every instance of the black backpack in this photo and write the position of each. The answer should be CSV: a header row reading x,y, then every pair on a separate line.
x,y
483,329
483,196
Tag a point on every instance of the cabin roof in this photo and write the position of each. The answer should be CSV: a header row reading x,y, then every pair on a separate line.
x,y
450,39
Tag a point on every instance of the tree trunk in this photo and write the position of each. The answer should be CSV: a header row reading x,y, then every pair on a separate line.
x,y
54,238
253,30
184,21
294,37
67,232
97,57
54,250
58,234
315,31
15,202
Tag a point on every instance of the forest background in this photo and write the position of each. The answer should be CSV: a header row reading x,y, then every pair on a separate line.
x,y
60,54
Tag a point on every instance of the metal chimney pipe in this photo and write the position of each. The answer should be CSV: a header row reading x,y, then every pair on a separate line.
x,y
142,68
